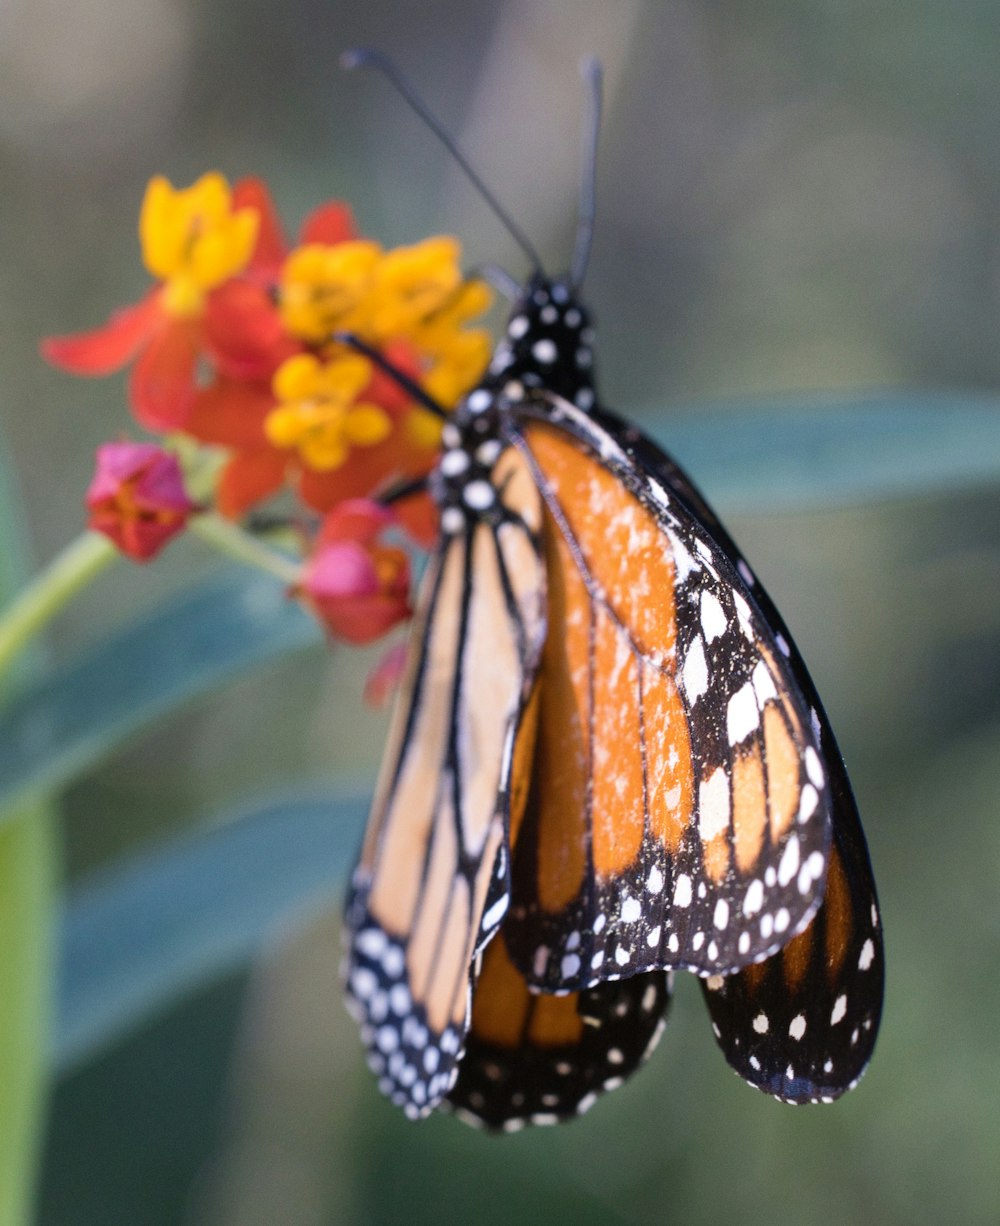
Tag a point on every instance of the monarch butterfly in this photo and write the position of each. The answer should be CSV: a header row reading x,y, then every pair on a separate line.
x,y
607,762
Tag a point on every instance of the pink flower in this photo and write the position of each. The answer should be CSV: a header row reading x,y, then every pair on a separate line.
x,y
137,498
357,587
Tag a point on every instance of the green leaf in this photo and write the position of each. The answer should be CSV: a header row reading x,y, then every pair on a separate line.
x,y
141,934
213,633
27,953
830,450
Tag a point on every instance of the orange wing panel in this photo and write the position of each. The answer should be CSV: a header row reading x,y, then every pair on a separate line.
x,y
623,545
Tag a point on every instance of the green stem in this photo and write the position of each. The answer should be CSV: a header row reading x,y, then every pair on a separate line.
x,y
84,559
35,605
237,543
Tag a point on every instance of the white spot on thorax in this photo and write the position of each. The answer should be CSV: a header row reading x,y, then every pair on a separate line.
x,y
452,520
478,495
479,400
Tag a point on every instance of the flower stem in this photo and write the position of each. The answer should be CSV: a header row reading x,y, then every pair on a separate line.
x,y
35,605
237,543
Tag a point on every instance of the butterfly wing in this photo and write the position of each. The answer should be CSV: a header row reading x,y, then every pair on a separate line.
x,y
431,884
679,812
802,1025
532,1058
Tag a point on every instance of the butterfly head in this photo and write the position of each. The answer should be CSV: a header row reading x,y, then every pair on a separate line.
x,y
548,344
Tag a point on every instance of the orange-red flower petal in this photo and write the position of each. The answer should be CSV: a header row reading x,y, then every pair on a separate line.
x,y
271,247
162,384
247,479
331,223
103,350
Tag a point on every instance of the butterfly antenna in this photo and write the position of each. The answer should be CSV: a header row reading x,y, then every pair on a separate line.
x,y
366,57
592,74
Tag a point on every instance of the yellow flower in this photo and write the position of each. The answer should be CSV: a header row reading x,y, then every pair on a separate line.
x,y
413,283
326,289
458,366
318,415
437,331
193,240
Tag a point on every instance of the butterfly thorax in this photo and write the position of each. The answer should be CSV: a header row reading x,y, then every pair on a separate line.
x,y
547,347
548,344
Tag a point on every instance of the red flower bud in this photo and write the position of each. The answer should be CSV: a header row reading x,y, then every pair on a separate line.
x,y
137,498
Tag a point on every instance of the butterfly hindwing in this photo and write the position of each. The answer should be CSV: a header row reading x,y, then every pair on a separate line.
x,y
532,1058
679,811
431,884
802,1025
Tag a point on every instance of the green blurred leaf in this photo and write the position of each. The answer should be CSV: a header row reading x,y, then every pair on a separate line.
x,y
213,633
27,875
145,932
825,450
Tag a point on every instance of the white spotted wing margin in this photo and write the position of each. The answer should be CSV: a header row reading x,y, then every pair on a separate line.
x,y
748,873
430,886
802,1025
539,1059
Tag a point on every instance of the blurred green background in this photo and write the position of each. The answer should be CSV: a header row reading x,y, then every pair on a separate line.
x,y
794,197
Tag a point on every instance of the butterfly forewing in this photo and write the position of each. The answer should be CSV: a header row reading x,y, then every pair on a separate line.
x,y
679,809
430,886
532,1058
802,1025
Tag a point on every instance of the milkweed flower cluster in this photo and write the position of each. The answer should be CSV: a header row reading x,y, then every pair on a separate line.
x,y
243,350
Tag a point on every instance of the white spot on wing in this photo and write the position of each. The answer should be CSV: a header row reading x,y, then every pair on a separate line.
x,y
713,619
789,865
742,716
713,804
695,672
754,898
